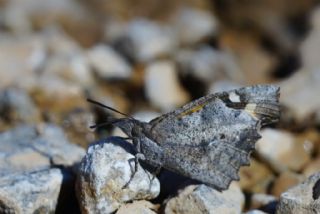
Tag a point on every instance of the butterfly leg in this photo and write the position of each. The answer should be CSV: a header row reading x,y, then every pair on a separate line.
x,y
138,156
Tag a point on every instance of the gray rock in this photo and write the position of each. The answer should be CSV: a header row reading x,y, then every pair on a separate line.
x,y
303,198
209,64
138,207
259,200
255,212
17,106
108,63
160,74
193,25
29,148
203,199
223,85
281,150
303,86
35,192
103,173
150,39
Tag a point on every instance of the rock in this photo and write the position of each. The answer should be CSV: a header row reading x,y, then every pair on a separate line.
x,y
208,64
302,86
103,173
303,198
22,56
223,85
150,39
73,67
312,167
259,200
138,207
254,61
24,17
203,199
194,25
28,148
256,178
284,181
255,212
281,150
35,192
108,64
17,106
160,74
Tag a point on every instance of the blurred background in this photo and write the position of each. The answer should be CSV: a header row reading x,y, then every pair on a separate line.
x,y
146,58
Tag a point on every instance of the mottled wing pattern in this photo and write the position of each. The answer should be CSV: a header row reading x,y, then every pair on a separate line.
x,y
210,138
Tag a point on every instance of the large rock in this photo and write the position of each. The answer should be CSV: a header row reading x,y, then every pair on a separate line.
x,y
35,192
103,173
203,199
303,198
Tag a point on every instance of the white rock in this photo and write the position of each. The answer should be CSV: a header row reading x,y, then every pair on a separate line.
x,y
108,63
162,86
223,85
203,199
281,150
104,171
150,39
303,198
304,87
138,207
20,57
209,64
35,192
193,25
255,212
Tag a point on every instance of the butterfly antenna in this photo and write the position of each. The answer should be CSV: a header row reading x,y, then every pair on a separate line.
x,y
108,107
104,124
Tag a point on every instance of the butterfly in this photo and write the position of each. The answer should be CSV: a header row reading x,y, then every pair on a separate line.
x,y
208,139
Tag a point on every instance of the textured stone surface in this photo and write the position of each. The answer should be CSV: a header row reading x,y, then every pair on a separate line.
x,y
103,173
303,198
203,199
34,192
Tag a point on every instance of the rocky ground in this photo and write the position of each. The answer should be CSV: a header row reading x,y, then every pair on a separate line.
x,y
145,58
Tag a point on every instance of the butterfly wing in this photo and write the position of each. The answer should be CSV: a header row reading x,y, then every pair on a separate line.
x,y
210,138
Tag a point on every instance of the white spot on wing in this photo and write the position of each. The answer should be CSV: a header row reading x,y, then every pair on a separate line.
x,y
233,97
